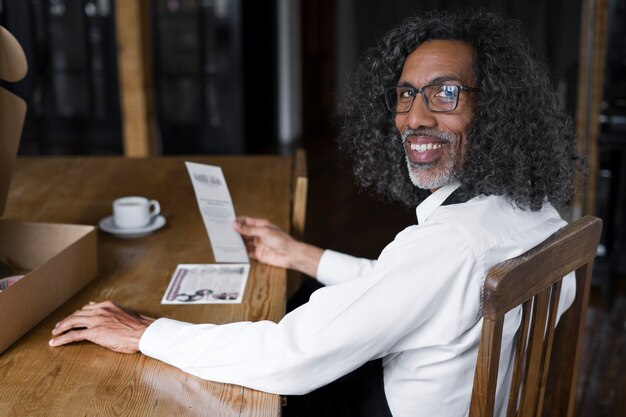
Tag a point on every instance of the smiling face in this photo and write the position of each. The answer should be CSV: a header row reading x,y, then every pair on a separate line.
x,y
435,143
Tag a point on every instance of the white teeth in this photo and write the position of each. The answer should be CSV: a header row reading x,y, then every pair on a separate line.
x,y
423,147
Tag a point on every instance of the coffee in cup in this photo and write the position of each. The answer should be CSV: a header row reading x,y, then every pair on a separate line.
x,y
134,212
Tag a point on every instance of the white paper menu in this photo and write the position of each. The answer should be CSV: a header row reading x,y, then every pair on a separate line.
x,y
218,213
207,284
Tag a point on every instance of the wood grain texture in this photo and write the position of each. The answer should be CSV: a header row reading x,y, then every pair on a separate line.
x,y
593,40
86,380
483,397
134,60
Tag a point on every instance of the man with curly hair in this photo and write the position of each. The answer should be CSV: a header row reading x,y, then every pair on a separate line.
x,y
450,114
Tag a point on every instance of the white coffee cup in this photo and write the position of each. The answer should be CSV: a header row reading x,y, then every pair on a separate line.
x,y
134,212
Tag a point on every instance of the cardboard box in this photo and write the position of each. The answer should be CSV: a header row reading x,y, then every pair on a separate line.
x,y
60,259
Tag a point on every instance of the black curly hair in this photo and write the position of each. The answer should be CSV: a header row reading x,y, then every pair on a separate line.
x,y
521,143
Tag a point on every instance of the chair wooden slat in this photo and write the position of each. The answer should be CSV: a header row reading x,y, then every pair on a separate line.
x,y
518,365
534,361
544,318
562,375
483,395
552,312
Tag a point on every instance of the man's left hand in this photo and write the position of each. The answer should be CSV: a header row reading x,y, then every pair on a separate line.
x,y
106,324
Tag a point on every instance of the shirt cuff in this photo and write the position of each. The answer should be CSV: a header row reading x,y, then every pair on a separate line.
x,y
159,336
335,267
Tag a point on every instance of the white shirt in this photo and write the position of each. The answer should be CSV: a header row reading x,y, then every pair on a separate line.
x,y
418,307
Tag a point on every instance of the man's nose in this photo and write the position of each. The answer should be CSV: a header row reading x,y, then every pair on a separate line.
x,y
419,115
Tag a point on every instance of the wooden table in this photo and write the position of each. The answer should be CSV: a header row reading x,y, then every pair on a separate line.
x,y
86,380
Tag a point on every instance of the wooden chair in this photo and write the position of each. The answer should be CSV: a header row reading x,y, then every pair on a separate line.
x,y
298,211
546,362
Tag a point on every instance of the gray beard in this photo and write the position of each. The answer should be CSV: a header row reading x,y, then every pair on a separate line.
x,y
428,181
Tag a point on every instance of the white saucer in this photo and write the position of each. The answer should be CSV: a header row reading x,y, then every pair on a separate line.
x,y
108,225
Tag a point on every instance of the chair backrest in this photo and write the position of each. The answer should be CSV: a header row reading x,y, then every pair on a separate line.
x,y
546,361
13,67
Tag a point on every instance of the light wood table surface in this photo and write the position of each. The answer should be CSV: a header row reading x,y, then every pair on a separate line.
x,y
86,380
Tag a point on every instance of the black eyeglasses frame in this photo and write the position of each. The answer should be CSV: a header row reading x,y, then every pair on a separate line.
x,y
424,98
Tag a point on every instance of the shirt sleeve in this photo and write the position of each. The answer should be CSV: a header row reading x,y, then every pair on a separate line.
x,y
335,267
339,329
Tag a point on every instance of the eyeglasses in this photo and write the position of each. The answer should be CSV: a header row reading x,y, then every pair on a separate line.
x,y
438,98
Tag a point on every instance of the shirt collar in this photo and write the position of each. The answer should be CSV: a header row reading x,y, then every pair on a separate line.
x,y
433,201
